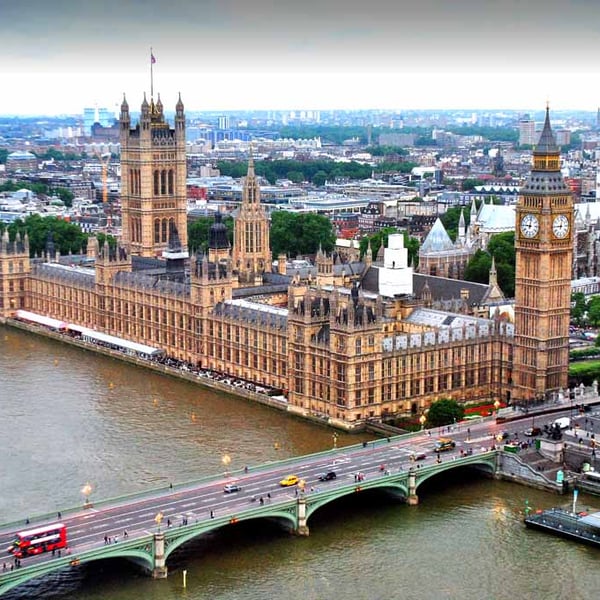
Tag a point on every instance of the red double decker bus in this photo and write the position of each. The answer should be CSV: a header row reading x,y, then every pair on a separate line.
x,y
38,540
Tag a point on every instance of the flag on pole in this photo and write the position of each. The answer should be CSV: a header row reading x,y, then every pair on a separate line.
x,y
152,59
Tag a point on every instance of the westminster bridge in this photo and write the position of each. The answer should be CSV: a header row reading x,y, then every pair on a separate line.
x,y
148,527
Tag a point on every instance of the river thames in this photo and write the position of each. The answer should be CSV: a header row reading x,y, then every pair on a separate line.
x,y
69,417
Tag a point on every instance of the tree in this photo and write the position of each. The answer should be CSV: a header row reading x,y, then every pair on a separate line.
x,y
451,218
198,232
578,308
319,178
299,234
594,310
444,412
67,237
104,238
478,269
469,184
65,195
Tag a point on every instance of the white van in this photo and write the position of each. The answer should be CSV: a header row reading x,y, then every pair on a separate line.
x,y
562,422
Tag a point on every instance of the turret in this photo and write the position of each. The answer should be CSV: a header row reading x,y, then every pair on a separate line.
x,y
125,117
179,119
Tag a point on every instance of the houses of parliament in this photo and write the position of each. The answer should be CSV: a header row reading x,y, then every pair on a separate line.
x,y
347,341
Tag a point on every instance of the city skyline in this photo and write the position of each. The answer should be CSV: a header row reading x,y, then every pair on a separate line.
x,y
233,55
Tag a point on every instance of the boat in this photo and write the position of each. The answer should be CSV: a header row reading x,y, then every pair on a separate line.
x,y
582,527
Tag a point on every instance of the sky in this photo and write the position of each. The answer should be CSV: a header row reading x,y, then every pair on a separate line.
x,y
61,55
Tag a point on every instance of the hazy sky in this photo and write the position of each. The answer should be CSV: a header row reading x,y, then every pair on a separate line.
x,y
57,56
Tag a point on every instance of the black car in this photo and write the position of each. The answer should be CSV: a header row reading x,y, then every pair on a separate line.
x,y
533,431
327,476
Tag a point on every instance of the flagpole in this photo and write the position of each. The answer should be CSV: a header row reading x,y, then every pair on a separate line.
x,y
151,74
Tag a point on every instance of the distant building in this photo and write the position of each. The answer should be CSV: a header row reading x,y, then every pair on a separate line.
x,y
397,139
103,116
25,162
527,135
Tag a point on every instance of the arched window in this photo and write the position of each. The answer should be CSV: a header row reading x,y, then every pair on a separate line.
x,y
164,230
156,231
163,182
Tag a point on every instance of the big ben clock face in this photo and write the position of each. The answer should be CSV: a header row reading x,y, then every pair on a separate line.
x,y
530,226
560,226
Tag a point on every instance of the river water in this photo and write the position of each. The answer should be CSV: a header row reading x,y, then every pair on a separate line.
x,y
69,417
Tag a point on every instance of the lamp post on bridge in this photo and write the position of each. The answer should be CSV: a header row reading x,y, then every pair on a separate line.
x,y
496,407
226,460
422,420
158,519
335,437
86,490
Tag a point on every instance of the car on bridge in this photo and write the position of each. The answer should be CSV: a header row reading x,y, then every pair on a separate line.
x,y
533,431
230,488
289,480
329,476
444,444
418,456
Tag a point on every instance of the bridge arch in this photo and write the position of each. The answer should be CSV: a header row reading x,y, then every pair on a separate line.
x,y
485,464
398,487
176,538
141,555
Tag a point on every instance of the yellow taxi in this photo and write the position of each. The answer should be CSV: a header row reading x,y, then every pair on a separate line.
x,y
289,480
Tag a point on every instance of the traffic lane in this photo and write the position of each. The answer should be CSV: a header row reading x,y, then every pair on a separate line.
x,y
113,518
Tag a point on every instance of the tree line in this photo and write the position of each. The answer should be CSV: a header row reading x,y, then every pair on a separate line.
x,y
291,234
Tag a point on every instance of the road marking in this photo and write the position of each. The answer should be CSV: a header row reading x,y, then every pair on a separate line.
x,y
188,505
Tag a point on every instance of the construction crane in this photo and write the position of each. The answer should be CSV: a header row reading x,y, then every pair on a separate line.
x,y
104,162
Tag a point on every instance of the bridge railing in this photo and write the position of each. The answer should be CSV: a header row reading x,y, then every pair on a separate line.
x,y
176,487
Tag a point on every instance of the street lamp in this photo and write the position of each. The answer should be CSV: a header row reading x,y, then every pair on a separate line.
x,y
226,460
158,519
335,437
422,420
86,490
301,485
497,406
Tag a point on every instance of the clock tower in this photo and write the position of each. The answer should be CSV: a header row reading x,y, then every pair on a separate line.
x,y
544,250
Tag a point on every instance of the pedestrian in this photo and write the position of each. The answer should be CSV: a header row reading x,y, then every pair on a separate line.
x,y
168,522
212,514
246,469
59,553
125,534
116,539
105,539
171,486
59,515
53,551
4,566
261,500
269,495
27,521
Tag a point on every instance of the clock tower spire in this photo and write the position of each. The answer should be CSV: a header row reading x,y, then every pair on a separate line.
x,y
544,249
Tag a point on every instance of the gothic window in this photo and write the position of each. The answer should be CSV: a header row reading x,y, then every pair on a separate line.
x,y
156,182
171,181
164,230
156,231
163,182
